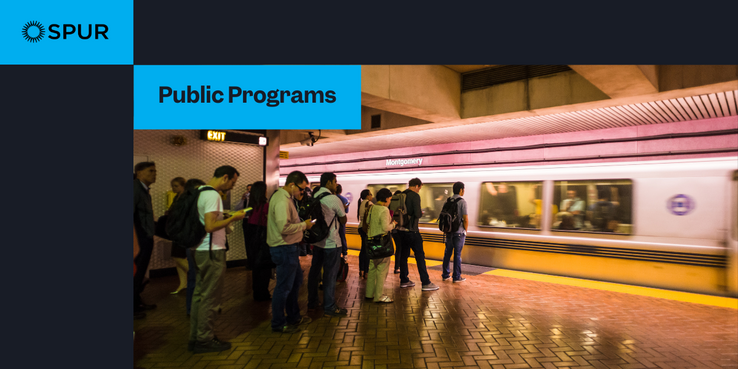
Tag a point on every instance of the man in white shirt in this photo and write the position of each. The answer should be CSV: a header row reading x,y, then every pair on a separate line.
x,y
210,261
572,204
327,252
284,232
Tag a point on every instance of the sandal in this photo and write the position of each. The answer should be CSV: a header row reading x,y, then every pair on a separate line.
x,y
384,300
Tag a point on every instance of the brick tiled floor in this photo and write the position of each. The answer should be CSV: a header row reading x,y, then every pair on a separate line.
x,y
485,322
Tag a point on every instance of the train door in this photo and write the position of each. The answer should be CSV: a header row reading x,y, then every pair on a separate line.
x,y
732,239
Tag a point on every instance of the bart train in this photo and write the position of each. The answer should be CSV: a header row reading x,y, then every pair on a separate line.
x,y
672,224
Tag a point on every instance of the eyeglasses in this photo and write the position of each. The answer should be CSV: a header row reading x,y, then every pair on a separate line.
x,y
301,188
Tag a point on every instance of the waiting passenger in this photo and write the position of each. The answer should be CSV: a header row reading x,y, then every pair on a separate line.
x,y
364,200
143,222
284,232
255,236
210,262
326,253
410,238
178,253
397,244
342,229
191,269
455,240
380,222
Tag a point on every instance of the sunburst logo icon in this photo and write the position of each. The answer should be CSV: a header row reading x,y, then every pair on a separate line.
x,y
33,31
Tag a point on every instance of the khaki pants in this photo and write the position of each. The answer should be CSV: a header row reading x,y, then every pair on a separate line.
x,y
378,269
208,293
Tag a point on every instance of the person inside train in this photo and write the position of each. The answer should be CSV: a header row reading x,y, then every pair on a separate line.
x,y
505,206
603,215
365,198
575,206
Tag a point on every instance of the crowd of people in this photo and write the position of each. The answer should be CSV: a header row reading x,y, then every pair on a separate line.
x,y
276,228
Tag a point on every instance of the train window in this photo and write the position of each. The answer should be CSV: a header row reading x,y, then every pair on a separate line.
x,y
511,204
432,197
593,206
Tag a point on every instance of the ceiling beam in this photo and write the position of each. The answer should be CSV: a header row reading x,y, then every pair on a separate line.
x,y
619,81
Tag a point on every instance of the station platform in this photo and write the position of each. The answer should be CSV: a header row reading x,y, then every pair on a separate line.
x,y
495,319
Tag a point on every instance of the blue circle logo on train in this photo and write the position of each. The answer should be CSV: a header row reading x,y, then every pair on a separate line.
x,y
680,204
349,197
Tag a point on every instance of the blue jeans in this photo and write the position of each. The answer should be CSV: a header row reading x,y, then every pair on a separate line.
x,y
191,278
454,244
414,241
342,233
289,280
327,259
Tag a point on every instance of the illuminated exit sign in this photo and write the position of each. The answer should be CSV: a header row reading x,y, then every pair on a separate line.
x,y
235,137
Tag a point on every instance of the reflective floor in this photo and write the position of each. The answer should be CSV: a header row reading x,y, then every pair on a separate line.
x,y
493,320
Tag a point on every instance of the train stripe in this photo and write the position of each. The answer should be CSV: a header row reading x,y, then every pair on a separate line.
x,y
683,258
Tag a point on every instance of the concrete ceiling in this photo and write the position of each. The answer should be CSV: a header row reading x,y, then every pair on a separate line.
x,y
425,104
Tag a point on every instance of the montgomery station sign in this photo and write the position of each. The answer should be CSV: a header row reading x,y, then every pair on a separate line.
x,y
403,162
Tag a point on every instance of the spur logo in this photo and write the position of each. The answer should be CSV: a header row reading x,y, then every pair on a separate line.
x,y
34,31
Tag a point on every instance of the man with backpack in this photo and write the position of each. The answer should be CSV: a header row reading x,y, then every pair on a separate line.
x,y
327,251
454,222
210,261
284,232
409,236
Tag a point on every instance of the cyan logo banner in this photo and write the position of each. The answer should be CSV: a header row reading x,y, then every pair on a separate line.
x,y
66,32
247,97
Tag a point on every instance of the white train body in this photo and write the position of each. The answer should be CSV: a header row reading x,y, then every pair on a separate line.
x,y
665,248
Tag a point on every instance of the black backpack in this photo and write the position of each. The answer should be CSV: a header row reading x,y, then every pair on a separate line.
x,y
310,208
183,223
449,220
399,210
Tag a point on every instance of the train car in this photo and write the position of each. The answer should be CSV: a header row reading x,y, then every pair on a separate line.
x,y
668,224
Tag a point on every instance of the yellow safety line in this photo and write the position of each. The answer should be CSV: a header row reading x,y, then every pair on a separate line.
x,y
615,287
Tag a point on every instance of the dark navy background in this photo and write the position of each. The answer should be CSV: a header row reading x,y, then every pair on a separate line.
x,y
67,141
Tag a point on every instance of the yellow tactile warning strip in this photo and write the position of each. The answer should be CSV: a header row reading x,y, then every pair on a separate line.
x,y
615,287
428,263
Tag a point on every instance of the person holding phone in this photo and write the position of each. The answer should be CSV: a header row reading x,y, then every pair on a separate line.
x,y
284,232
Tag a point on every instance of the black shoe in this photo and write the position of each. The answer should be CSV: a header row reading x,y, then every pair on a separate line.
x,y
139,315
336,312
213,346
303,320
316,307
144,307
287,329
